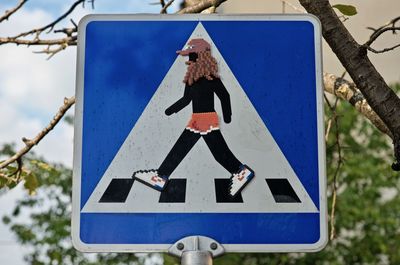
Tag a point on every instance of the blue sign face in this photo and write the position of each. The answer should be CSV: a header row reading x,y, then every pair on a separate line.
x,y
199,125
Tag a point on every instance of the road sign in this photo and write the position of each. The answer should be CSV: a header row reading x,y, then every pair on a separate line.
x,y
199,125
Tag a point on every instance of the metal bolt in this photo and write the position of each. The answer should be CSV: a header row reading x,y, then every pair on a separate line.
x,y
180,246
213,246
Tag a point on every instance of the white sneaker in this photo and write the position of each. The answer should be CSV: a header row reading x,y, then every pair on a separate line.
x,y
151,179
240,179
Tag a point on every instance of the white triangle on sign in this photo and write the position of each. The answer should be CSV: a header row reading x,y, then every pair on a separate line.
x,y
154,134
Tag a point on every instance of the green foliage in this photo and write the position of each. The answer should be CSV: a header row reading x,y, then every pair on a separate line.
x,y
13,174
367,218
69,119
48,228
31,183
347,10
23,171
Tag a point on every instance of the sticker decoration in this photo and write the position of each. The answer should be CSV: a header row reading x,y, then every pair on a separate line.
x,y
201,83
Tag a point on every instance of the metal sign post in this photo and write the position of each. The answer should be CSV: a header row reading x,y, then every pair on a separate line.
x,y
196,250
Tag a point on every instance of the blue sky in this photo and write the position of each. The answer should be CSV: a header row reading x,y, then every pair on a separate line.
x,y
45,12
32,89
101,6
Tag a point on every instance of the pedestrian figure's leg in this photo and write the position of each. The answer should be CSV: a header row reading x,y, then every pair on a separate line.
x,y
221,152
178,152
241,174
158,179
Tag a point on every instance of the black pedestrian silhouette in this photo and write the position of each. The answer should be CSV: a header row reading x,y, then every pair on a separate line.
x,y
202,82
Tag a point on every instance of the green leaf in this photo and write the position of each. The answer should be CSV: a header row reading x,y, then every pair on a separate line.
x,y
3,182
6,220
347,10
42,165
31,183
69,119
16,211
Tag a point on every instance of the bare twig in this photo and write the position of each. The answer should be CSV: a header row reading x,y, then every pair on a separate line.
x,y
10,12
378,33
335,119
391,23
353,56
69,40
334,183
53,52
49,27
29,143
162,3
165,6
15,176
200,6
328,129
68,31
389,26
73,23
61,43
91,3
333,206
383,50
329,124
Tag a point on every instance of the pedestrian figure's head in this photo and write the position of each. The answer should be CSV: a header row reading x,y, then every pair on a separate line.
x,y
200,63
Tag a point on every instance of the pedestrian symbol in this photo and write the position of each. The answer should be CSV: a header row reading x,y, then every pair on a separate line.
x,y
201,83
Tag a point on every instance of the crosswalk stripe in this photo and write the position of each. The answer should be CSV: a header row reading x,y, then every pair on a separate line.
x,y
175,192
117,190
222,192
282,191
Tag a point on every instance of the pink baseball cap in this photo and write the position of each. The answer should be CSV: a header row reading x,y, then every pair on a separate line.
x,y
195,45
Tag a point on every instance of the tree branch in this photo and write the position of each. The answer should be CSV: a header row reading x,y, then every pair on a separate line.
x,y
62,43
29,143
67,40
200,6
382,99
390,26
379,32
348,91
10,12
52,52
165,6
391,23
383,50
51,25
340,161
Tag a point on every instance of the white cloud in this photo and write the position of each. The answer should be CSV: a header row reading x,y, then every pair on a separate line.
x,y
24,20
15,124
32,89
29,81
8,242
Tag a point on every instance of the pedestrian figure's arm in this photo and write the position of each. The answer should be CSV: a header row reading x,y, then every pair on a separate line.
x,y
180,104
224,97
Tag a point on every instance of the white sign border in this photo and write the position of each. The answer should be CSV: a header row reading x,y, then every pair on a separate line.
x,y
76,189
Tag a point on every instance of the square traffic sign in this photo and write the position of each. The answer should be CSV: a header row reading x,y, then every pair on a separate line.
x,y
199,125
